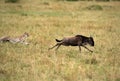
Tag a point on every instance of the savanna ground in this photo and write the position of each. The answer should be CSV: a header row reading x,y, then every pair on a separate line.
x,y
46,20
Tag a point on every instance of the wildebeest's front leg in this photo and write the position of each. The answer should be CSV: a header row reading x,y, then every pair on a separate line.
x,y
87,48
79,44
79,48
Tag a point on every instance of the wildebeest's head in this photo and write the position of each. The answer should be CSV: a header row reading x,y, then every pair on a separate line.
x,y
91,41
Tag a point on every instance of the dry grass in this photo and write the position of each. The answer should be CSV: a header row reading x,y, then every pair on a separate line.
x,y
47,20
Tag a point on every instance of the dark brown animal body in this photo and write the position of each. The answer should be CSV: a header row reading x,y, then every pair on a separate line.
x,y
78,40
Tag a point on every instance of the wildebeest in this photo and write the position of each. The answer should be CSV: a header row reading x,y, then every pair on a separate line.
x,y
77,40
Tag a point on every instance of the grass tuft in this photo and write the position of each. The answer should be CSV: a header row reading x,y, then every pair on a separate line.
x,y
94,7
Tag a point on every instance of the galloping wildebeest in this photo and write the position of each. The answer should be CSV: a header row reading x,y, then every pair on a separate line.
x,y
78,40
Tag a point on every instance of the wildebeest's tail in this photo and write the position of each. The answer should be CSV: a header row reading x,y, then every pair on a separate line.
x,y
58,40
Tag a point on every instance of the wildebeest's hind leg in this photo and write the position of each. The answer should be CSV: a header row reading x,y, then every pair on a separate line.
x,y
58,47
53,46
87,48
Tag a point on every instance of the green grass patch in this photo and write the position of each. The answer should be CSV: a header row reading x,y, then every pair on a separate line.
x,y
94,7
11,1
36,13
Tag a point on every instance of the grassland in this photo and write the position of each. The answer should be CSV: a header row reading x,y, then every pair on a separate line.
x,y
46,20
